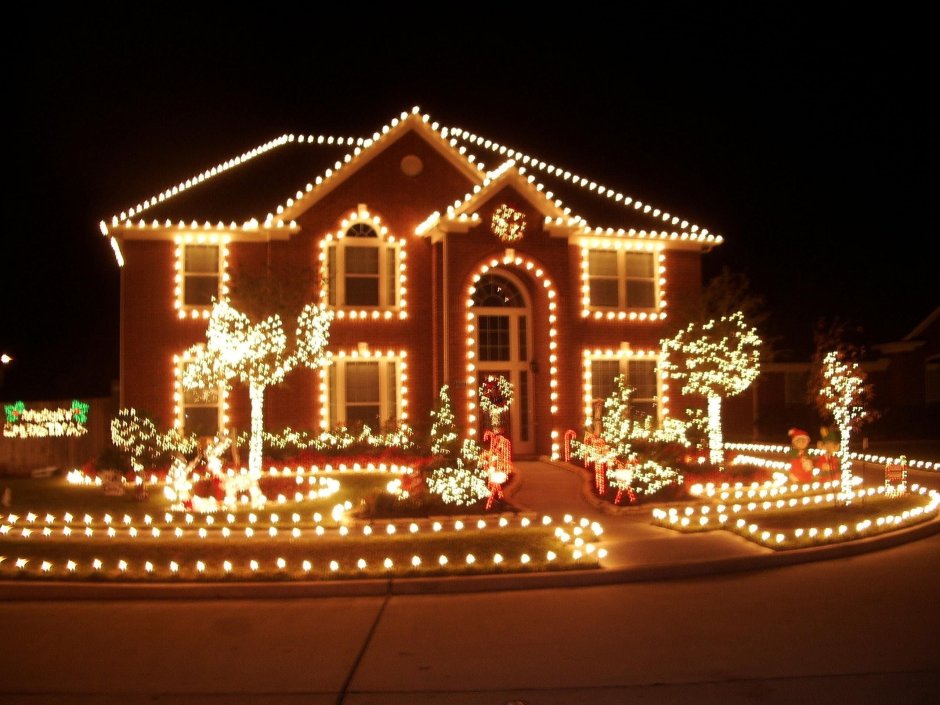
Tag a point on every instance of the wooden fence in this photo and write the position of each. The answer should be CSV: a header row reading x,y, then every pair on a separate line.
x,y
20,456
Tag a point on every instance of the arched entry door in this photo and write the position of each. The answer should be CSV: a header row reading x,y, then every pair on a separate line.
x,y
503,321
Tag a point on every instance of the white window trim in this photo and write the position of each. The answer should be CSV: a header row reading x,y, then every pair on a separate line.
x,y
179,398
221,241
622,312
623,355
388,408
388,246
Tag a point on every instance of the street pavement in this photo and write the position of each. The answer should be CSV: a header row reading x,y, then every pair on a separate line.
x,y
852,630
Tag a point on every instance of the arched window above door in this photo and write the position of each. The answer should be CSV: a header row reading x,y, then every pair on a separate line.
x,y
494,291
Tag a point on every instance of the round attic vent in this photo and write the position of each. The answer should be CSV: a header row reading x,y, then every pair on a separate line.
x,y
412,165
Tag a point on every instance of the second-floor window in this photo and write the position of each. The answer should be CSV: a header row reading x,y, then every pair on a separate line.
x,y
200,274
620,279
362,270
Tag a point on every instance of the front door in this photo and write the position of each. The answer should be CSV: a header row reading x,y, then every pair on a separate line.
x,y
503,324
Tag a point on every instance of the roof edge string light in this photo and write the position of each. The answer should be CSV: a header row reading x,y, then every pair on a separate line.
x,y
582,182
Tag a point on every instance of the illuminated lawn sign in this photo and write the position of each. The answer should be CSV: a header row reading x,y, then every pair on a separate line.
x,y
45,423
896,476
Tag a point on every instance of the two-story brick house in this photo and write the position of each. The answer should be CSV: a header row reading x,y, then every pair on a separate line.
x,y
439,270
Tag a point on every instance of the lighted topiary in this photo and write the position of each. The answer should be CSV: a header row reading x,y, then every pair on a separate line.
x,y
257,355
844,394
717,359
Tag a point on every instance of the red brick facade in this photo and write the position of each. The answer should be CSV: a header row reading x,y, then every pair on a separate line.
x,y
439,271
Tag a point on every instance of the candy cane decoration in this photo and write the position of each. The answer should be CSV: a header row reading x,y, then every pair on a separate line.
x,y
570,435
498,462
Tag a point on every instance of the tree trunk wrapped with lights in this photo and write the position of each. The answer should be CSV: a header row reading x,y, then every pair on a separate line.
x,y
717,359
257,355
844,394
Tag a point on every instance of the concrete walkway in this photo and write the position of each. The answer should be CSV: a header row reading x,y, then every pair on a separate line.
x,y
631,541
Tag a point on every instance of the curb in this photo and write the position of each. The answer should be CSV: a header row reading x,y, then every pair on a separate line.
x,y
37,590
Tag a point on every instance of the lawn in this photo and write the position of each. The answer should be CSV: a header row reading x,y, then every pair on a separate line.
x,y
55,496
511,548
65,531
787,523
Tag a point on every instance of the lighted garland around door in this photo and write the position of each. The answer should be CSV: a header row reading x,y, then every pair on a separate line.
x,y
503,322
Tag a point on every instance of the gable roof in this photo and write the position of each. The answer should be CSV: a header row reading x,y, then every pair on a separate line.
x,y
463,211
291,157
372,148
924,325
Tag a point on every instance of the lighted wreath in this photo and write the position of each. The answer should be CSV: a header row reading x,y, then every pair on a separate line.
x,y
508,224
495,397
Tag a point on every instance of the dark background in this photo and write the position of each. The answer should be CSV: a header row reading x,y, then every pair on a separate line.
x,y
801,135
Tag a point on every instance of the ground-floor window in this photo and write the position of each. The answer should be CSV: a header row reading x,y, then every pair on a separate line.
x,y
365,392
641,374
198,411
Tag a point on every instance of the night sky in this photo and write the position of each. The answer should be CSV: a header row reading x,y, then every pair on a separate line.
x,y
805,140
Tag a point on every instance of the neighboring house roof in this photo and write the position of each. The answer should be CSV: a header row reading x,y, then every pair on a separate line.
x,y
922,327
243,192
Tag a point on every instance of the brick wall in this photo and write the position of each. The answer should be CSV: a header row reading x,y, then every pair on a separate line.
x,y
152,333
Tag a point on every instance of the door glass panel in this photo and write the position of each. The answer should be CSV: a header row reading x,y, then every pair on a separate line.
x,y
523,342
494,338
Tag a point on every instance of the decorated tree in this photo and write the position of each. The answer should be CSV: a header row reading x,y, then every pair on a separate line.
x,y
464,481
444,439
257,354
615,450
617,426
844,394
136,435
717,359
